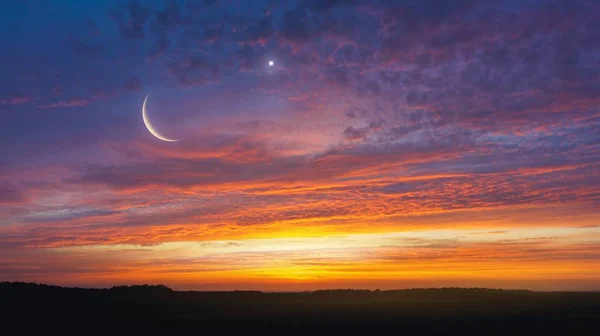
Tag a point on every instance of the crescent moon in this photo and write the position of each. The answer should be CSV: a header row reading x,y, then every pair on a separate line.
x,y
150,127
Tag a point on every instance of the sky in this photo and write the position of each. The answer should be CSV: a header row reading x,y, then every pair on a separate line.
x,y
391,144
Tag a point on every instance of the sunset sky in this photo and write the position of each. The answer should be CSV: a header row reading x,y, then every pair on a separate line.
x,y
391,144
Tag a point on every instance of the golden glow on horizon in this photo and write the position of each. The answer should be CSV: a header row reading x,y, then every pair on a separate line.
x,y
376,260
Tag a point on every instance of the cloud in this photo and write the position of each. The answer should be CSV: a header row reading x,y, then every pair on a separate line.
x,y
261,30
77,102
361,133
170,17
326,5
352,133
132,20
9,193
195,70
16,100
296,26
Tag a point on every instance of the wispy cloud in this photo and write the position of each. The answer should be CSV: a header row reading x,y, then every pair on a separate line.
x,y
68,103
15,100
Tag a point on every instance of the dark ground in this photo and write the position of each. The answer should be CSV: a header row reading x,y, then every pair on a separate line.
x,y
438,311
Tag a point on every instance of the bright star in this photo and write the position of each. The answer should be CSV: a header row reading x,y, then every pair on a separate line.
x,y
271,63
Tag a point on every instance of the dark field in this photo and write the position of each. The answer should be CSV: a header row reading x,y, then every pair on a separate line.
x,y
448,310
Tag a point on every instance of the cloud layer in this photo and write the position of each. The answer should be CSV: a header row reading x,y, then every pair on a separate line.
x,y
377,118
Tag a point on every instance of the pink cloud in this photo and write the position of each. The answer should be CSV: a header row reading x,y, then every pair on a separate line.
x,y
15,100
69,103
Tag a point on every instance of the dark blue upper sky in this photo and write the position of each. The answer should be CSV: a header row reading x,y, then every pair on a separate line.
x,y
505,72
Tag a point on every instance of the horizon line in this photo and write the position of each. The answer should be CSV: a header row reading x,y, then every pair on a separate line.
x,y
304,291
